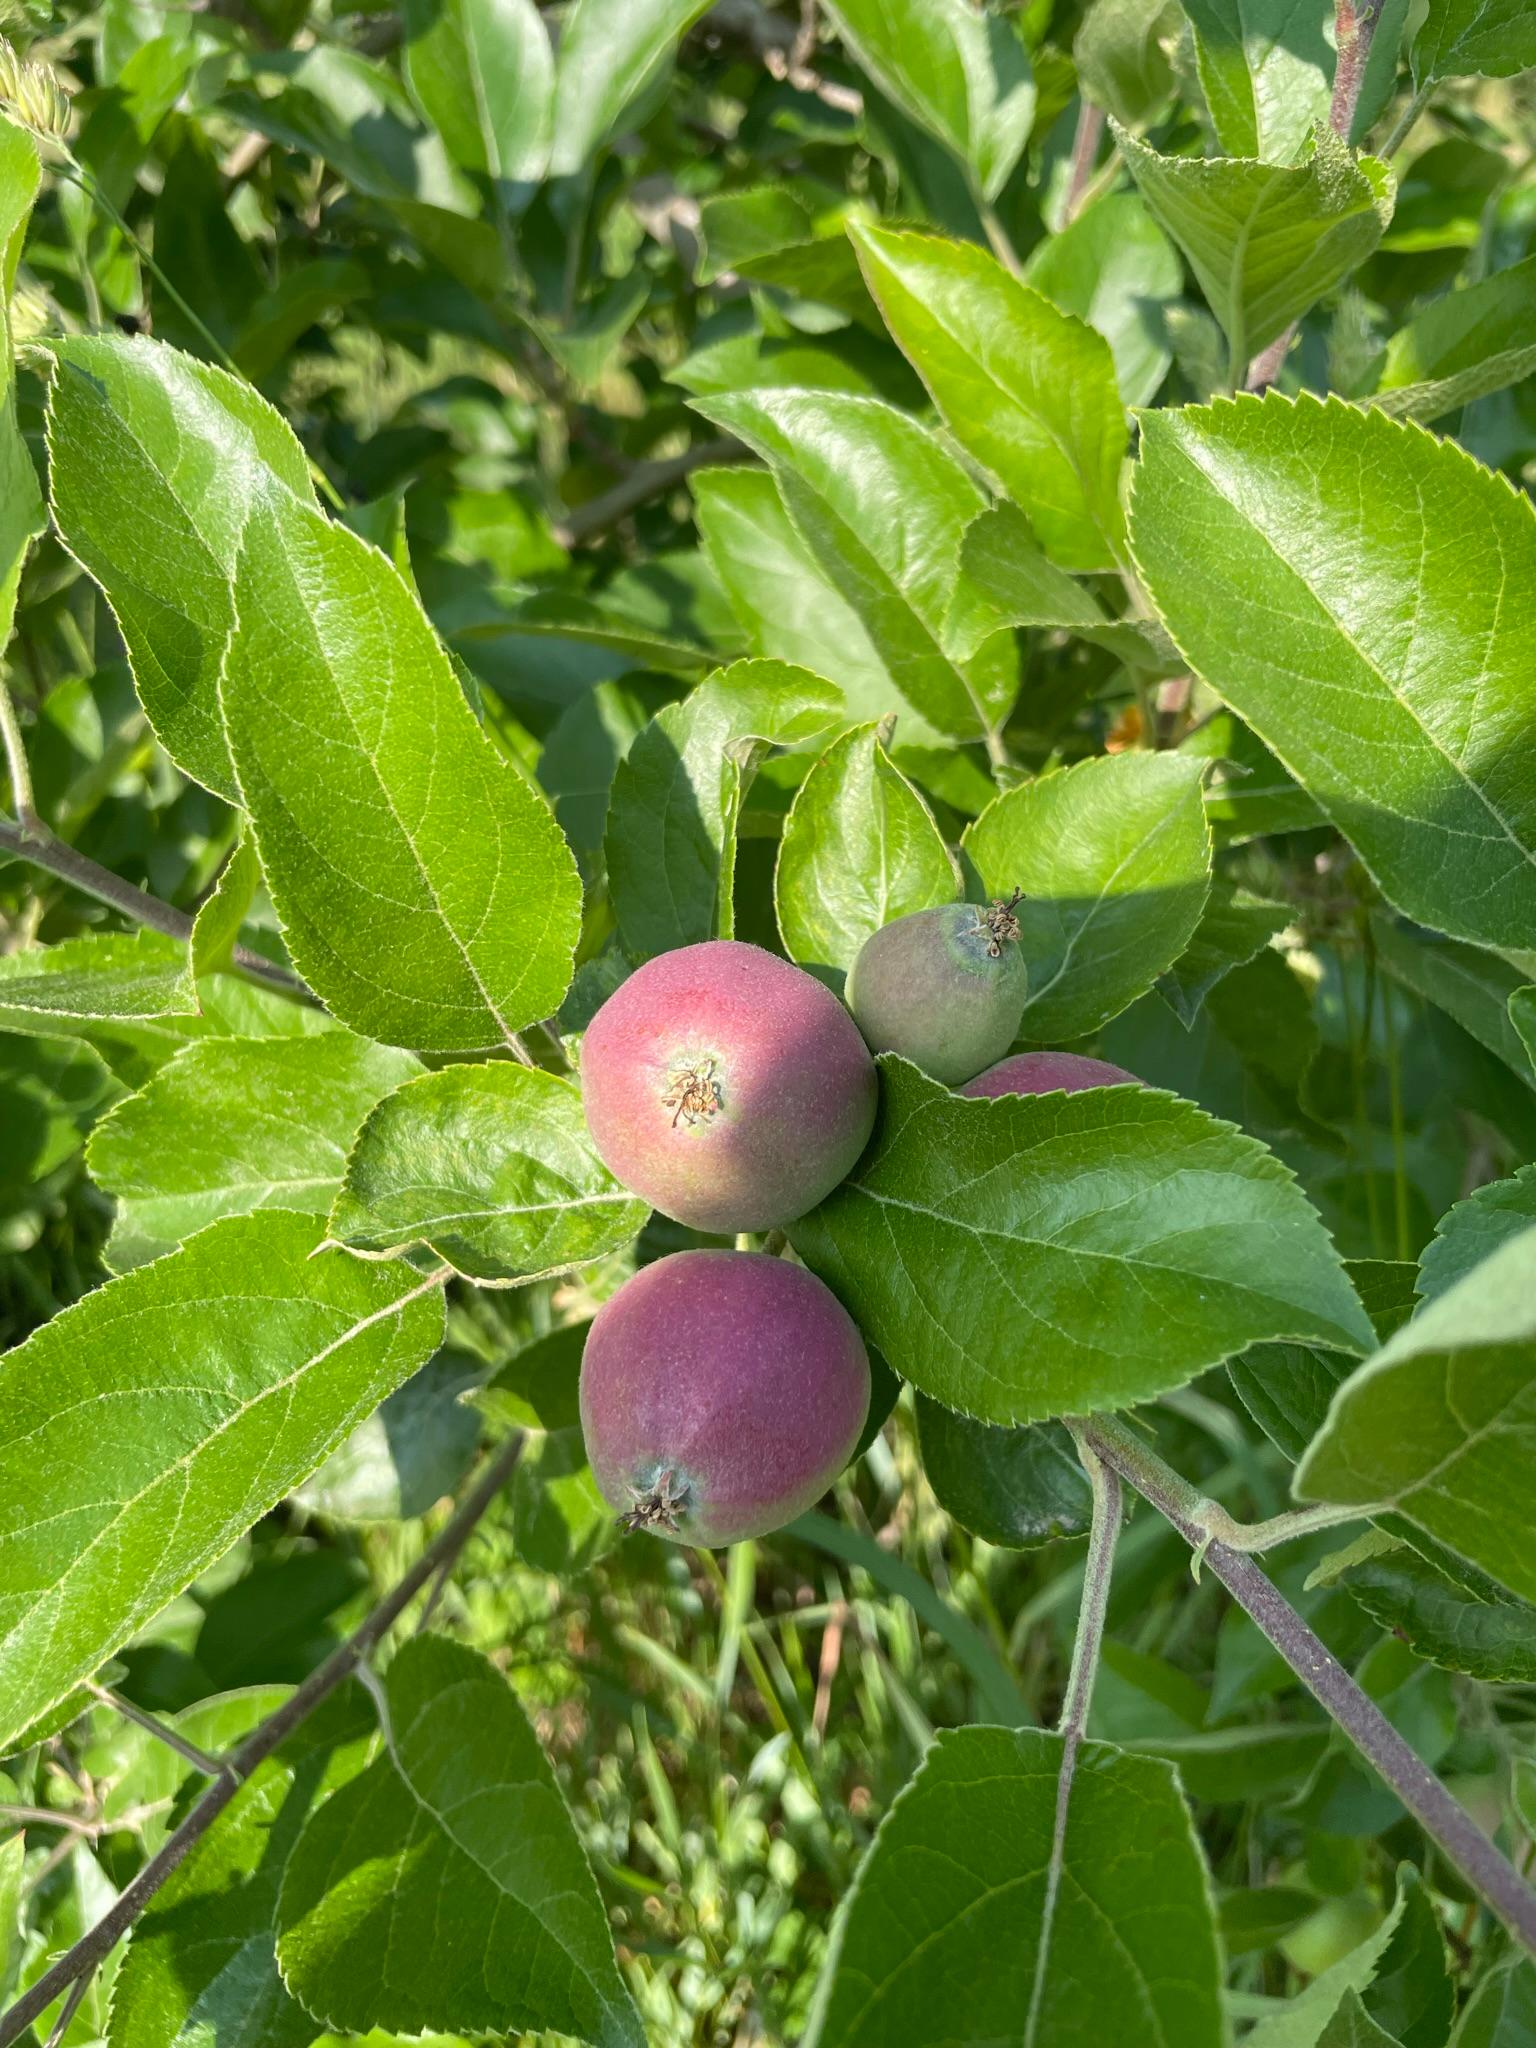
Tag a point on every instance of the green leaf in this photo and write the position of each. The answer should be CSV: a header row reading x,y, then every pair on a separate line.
x,y
483,73
1301,2024
611,54
1353,2027
1266,69
1233,928
560,1522
1462,346
1411,1995
859,848
789,606
882,504
1005,581
1122,58
1474,38
1266,241
51,1092
156,462
1026,389
1501,2013
407,1455
1491,1637
101,977
1114,268
202,1961
489,1165
790,236
1247,793
1473,1229
233,1367
960,72
1467,983
216,929
958,1871
426,892
459,1831
1114,858
1015,1487
1394,694
677,797
1036,1256
235,1124
1442,1421
537,1387
21,502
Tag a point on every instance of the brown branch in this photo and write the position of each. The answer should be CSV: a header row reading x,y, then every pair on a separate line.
x,y
40,849
646,480
275,1730
1085,150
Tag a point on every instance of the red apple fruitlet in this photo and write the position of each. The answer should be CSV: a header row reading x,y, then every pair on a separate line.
x,y
721,1394
730,1089
1040,1073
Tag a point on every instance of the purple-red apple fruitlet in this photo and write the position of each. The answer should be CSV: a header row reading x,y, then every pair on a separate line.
x,y
945,988
730,1089
1041,1073
721,1394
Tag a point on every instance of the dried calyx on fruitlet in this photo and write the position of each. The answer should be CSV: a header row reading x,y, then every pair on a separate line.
x,y
727,1087
721,1394
945,988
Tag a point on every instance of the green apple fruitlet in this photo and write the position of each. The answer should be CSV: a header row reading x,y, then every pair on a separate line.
x,y
727,1087
721,1394
1044,1073
945,988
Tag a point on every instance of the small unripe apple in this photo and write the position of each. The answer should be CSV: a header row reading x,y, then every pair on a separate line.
x,y
727,1087
721,1394
945,988
1042,1073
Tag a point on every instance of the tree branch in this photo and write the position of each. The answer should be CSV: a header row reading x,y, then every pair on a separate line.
x,y
275,1730
1085,150
1491,1876
40,849
1354,27
646,480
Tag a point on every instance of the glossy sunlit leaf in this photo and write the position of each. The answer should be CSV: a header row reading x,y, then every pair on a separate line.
x,y
1015,1487
1462,346
460,1828
1115,269
788,602
1442,1421
1114,859
1266,241
1365,598
1266,69
959,71
21,504
677,795
100,977
859,849
1467,1233
882,504
611,53
233,1124
216,929
484,75
425,890
1037,1256
1026,389
961,1869
1006,581
156,463
489,1165
234,1366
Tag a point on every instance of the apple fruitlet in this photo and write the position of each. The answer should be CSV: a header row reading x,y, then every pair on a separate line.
x,y
727,1087
721,1394
945,988
1042,1073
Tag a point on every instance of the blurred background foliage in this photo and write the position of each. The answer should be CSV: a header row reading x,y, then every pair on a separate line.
x,y
494,375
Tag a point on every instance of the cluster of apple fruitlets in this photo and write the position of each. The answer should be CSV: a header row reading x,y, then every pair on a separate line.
x,y
723,1391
